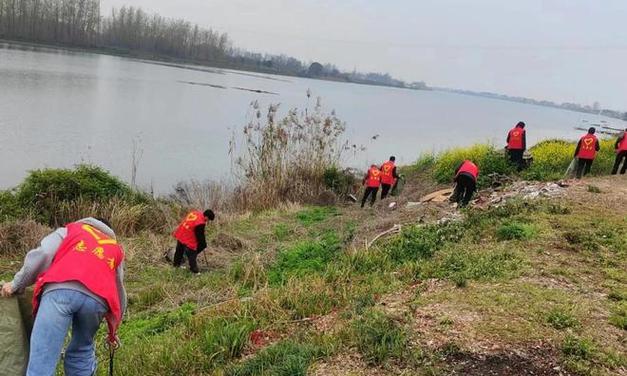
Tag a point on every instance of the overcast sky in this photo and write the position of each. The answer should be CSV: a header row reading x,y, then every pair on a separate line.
x,y
561,50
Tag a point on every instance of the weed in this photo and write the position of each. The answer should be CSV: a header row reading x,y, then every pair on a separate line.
x,y
286,358
414,243
515,231
379,337
224,340
304,258
618,316
559,319
249,271
579,348
281,231
307,298
158,323
284,159
461,265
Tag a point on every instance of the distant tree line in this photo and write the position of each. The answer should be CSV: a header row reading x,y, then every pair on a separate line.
x,y
130,30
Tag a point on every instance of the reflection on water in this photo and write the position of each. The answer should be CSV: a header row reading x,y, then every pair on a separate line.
x,y
59,108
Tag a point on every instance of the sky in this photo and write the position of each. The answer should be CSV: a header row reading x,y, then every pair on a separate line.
x,y
559,50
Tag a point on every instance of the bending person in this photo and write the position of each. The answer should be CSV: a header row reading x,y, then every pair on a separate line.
x,y
372,180
466,183
190,238
78,275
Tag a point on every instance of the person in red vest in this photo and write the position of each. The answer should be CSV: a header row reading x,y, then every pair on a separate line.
x,y
78,275
517,144
372,181
586,151
621,154
388,176
466,183
190,238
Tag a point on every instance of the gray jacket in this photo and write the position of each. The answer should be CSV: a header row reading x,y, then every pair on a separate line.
x,y
39,260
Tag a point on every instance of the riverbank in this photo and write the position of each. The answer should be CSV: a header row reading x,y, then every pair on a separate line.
x,y
528,285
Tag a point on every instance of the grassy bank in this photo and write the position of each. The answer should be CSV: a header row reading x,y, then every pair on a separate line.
x,y
293,290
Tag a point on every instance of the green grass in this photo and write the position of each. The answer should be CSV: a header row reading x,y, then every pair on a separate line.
x,y
305,258
286,358
378,337
560,319
311,216
515,231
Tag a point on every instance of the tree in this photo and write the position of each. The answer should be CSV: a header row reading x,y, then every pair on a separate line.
x,y
315,70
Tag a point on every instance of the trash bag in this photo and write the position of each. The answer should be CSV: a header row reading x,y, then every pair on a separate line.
x,y
571,170
398,186
15,327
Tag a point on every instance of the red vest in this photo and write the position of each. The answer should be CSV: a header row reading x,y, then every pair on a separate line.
x,y
373,180
516,139
387,173
588,150
622,146
90,257
470,168
185,232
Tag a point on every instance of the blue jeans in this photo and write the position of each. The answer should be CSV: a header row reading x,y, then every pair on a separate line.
x,y
57,310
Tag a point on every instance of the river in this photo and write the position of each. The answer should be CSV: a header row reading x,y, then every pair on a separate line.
x,y
60,108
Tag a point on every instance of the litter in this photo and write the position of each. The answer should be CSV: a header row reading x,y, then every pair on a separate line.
x,y
438,196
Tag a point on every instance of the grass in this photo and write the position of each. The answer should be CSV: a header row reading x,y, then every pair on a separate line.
x,y
285,358
515,231
525,272
305,258
379,337
560,319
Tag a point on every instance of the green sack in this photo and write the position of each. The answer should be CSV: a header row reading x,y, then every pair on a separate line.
x,y
14,333
398,186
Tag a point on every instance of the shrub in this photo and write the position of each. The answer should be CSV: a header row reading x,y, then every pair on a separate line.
x,y
487,158
284,160
515,231
9,206
551,158
379,337
45,191
559,319
342,182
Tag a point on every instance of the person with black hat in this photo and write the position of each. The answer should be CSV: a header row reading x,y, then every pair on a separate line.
x,y
190,238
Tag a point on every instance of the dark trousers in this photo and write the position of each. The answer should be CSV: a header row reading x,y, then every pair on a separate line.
x,y
583,167
385,190
620,157
465,188
182,249
516,156
372,192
